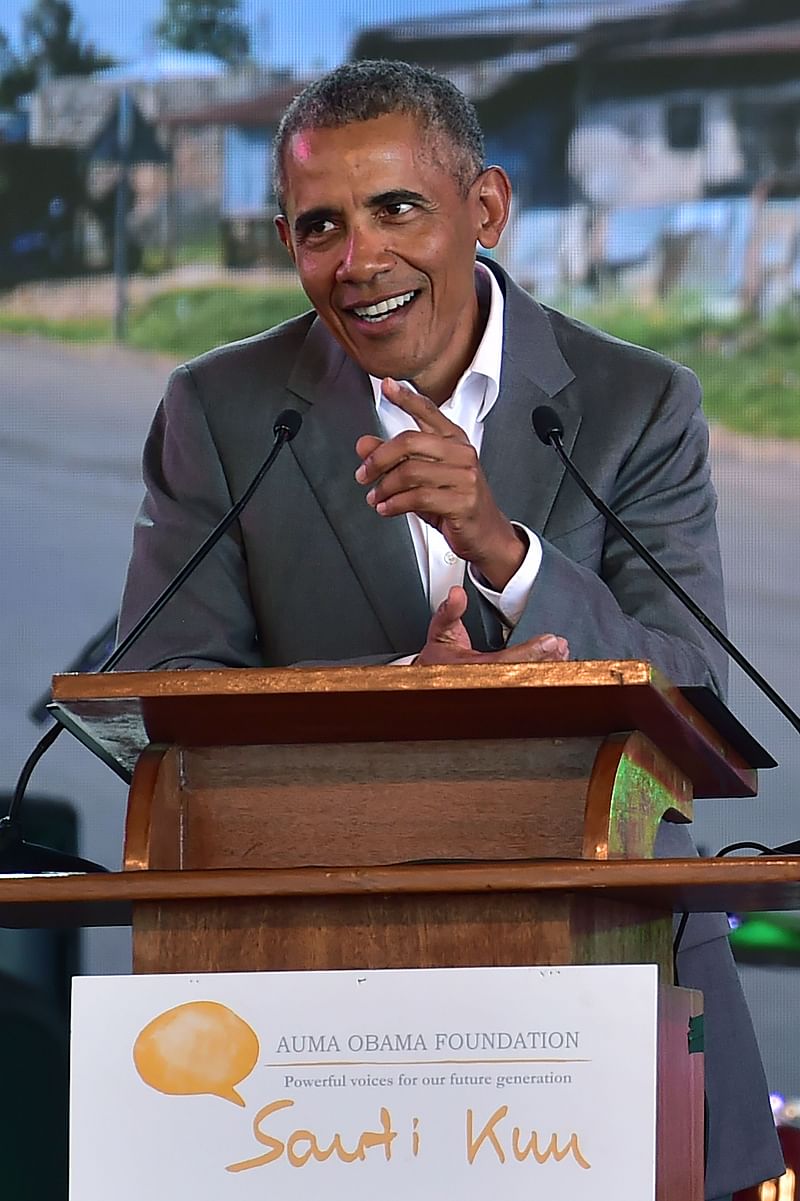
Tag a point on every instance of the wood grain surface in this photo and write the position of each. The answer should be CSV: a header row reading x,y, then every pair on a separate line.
x,y
125,711
698,885
362,804
679,1125
392,931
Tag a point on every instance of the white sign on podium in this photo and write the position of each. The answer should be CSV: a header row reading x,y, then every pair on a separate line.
x,y
464,1082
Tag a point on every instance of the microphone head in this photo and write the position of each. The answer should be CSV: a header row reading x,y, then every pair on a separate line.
x,y
547,424
287,423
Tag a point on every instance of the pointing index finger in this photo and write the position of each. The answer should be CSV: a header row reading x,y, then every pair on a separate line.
x,y
426,414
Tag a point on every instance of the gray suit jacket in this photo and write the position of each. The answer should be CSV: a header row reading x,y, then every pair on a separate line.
x,y
313,574
632,419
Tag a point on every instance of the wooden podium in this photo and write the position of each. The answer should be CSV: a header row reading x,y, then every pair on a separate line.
x,y
387,817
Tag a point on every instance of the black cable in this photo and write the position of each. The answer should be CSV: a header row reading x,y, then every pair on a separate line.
x,y
676,946
734,846
44,744
747,846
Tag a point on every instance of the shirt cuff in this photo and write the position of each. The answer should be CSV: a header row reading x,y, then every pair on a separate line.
x,y
511,602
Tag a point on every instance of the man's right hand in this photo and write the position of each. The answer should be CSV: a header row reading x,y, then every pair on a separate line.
x,y
448,640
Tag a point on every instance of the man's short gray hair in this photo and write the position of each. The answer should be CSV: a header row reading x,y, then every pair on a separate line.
x,y
365,90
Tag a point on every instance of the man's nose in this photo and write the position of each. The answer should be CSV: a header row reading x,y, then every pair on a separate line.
x,y
364,255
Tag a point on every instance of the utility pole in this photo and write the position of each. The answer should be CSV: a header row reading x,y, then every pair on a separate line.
x,y
124,139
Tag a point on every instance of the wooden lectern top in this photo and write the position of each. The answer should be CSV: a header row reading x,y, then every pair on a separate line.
x,y
119,714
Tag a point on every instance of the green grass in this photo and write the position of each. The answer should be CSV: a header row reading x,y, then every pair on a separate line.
x,y
750,370
757,391
200,250
95,329
192,320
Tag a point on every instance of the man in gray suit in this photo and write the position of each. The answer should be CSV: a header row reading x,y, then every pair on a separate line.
x,y
416,517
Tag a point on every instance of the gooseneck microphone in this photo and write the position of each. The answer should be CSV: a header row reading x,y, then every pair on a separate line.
x,y
550,430
285,428
20,857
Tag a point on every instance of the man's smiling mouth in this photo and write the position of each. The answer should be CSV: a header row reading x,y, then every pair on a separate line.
x,y
375,313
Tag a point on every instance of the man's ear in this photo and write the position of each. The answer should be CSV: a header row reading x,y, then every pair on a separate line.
x,y
494,201
284,233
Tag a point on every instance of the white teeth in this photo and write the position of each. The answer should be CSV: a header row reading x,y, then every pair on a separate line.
x,y
378,312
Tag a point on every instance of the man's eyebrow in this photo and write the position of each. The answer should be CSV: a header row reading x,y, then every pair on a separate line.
x,y
397,196
322,212
311,216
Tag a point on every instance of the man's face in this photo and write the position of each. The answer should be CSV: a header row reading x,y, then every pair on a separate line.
x,y
383,239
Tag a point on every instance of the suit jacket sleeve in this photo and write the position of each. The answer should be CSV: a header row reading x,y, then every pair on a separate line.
x,y
210,622
616,608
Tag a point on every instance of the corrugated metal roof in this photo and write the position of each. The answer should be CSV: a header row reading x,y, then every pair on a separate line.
x,y
265,109
165,64
555,21
768,39
482,79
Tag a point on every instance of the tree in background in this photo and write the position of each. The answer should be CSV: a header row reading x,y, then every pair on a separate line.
x,y
205,26
15,78
51,47
7,56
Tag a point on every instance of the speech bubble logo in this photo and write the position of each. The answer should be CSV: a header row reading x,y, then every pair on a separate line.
x,y
200,1047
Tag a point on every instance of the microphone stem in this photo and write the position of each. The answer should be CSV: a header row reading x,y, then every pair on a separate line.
x,y
158,604
621,528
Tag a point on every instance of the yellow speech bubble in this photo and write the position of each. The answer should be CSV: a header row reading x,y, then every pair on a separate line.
x,y
199,1047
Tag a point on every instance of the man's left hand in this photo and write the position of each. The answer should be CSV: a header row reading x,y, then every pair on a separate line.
x,y
435,473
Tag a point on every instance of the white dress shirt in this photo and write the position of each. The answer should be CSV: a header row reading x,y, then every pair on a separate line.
x,y
474,396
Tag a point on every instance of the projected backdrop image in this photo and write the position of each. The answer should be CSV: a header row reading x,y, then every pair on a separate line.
x,y
653,151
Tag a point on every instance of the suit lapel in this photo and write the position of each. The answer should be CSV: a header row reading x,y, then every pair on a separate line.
x,y
380,551
524,474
